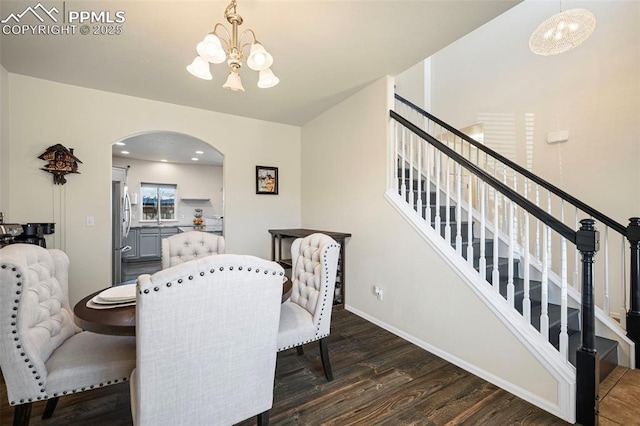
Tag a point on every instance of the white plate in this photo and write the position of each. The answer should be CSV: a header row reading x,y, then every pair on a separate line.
x,y
99,301
120,293
91,304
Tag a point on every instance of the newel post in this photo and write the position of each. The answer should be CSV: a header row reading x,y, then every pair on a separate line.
x,y
633,316
587,362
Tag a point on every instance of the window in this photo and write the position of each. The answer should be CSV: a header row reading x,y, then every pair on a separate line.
x,y
158,202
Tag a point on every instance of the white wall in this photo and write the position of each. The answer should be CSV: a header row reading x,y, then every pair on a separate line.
x,y
4,141
193,181
592,91
344,158
412,83
44,113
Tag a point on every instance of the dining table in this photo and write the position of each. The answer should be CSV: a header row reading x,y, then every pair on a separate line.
x,y
121,320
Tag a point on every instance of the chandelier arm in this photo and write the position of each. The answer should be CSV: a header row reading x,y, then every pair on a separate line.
x,y
248,30
215,28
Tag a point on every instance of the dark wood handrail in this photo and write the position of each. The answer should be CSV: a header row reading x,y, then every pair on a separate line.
x,y
536,211
606,220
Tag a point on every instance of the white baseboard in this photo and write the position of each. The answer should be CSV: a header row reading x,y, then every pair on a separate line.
x,y
544,404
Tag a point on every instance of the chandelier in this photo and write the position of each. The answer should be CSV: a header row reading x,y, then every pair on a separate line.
x,y
210,50
562,32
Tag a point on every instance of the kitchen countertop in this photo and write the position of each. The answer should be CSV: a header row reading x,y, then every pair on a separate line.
x,y
210,229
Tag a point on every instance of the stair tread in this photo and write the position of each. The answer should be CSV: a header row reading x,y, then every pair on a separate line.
x,y
554,312
604,346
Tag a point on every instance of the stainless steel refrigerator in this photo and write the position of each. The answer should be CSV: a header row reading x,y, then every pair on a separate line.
x,y
120,222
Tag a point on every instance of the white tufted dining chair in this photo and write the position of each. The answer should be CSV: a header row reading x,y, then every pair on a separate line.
x,y
206,332
187,246
306,316
43,355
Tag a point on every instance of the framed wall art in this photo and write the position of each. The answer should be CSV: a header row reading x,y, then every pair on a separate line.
x,y
266,180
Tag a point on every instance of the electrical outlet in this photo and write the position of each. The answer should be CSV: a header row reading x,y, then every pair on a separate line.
x,y
91,221
378,292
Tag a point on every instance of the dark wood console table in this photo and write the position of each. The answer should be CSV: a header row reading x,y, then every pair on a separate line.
x,y
340,237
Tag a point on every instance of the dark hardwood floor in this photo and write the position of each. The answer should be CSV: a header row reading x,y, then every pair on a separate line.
x,y
380,379
131,270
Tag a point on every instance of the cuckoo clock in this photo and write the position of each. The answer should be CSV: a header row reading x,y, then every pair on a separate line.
x,y
60,161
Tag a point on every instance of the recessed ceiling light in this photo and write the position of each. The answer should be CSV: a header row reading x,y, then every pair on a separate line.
x,y
194,159
120,143
163,161
199,152
124,152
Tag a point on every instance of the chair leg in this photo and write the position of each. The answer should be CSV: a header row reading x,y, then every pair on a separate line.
x,y
51,405
263,418
324,356
300,350
22,414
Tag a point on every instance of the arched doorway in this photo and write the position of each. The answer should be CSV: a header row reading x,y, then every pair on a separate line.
x,y
159,179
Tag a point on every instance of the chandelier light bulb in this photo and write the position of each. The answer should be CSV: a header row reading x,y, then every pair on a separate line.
x,y
267,79
211,49
562,32
233,82
200,68
259,59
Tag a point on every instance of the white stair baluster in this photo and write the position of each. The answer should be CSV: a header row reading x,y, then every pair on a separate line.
x,y
427,189
396,170
512,247
548,247
495,275
458,168
538,224
526,301
482,263
623,283
447,201
564,306
544,293
437,204
505,212
420,174
576,261
605,297
403,185
411,201
469,223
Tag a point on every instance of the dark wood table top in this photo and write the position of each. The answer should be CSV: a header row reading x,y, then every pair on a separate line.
x,y
121,321
301,233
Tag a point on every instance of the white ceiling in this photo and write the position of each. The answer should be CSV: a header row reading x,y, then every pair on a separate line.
x,y
324,50
168,146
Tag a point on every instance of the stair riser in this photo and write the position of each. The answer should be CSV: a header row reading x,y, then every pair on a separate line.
x,y
503,269
423,197
443,213
464,230
488,251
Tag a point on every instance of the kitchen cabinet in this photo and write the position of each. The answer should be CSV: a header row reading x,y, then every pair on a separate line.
x,y
146,242
149,243
131,241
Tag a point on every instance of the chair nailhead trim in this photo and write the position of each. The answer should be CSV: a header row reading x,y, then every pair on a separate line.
x,y
202,274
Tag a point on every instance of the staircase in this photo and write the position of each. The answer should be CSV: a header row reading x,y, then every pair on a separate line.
x,y
522,238
606,349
